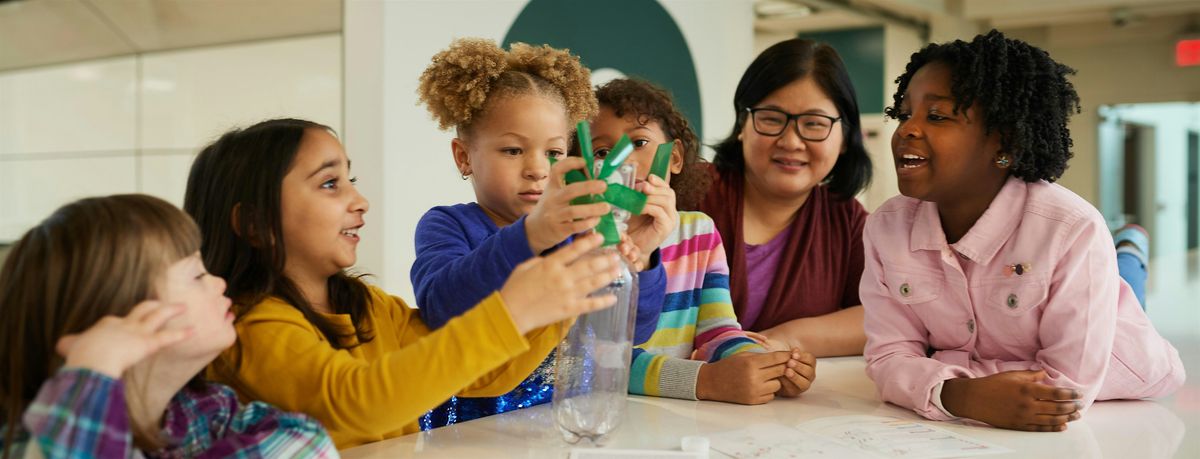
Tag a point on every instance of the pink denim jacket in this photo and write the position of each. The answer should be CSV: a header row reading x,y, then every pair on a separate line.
x,y
1033,285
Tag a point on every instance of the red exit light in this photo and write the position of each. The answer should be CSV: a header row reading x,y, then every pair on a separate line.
x,y
1187,52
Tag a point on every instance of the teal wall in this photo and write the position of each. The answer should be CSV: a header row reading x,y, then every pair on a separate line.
x,y
636,37
862,51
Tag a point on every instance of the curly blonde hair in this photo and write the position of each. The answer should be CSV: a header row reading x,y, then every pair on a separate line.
x,y
461,81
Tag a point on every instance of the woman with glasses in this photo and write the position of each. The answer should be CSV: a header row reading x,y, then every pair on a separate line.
x,y
782,194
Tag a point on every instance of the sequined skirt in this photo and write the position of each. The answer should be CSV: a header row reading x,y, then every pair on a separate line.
x,y
536,389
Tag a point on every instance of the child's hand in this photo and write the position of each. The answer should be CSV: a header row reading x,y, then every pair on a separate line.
x,y
114,344
631,253
545,290
800,374
554,219
649,233
1017,400
748,378
770,342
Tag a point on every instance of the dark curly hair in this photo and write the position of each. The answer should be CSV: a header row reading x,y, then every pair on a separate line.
x,y
648,102
780,65
1017,88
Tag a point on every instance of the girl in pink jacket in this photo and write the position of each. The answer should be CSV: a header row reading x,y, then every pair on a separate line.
x,y
990,292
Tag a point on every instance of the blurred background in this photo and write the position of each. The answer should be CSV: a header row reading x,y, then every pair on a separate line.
x,y
115,96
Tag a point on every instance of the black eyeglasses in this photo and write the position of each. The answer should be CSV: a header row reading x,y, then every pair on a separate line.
x,y
813,127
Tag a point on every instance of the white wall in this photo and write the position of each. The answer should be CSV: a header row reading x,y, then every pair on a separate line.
x,y
65,132
134,123
412,157
363,61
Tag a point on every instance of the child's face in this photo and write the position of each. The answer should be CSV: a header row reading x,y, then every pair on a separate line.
x,y
607,128
938,153
321,210
785,165
506,153
187,282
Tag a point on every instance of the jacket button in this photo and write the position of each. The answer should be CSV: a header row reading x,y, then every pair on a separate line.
x,y
905,290
1012,301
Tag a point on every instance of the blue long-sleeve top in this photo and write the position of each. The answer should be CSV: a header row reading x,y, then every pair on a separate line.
x,y
462,257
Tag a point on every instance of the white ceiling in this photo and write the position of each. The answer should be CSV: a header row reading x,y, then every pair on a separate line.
x,y
1000,14
43,32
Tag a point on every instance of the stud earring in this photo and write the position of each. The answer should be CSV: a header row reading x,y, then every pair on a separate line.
x,y
1002,161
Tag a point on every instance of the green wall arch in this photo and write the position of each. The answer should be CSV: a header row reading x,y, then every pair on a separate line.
x,y
635,37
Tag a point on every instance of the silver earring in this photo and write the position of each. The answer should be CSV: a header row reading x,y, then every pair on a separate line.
x,y
1002,161
465,176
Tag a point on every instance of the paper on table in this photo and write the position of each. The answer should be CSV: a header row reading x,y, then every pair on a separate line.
x,y
856,437
774,440
892,437
605,453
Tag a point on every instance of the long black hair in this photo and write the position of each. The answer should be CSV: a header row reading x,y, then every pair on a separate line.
x,y
234,194
780,65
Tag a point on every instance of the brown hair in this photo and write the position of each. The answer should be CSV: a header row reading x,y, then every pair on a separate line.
x,y
92,258
647,102
462,79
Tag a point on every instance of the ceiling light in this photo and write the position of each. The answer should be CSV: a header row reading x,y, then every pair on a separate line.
x,y
778,9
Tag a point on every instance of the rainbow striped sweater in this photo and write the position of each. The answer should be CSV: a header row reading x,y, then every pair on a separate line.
x,y
697,323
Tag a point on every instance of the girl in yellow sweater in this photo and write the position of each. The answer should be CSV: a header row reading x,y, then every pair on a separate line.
x,y
280,219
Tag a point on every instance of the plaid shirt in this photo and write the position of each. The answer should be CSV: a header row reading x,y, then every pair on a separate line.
x,y
80,413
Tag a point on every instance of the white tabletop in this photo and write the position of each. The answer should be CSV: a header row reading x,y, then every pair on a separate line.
x,y
1119,429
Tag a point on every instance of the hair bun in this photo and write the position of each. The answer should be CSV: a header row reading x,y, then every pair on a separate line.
x,y
562,70
456,84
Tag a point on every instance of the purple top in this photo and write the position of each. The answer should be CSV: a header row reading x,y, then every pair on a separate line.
x,y
761,262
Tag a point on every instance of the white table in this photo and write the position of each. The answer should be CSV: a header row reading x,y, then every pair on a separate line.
x,y
1120,429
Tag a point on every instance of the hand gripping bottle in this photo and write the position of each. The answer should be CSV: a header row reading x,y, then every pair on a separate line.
x,y
592,363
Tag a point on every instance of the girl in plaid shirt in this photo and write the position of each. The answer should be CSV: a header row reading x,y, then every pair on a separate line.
x,y
107,317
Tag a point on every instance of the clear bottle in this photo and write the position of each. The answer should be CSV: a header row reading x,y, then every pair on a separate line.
x,y
592,363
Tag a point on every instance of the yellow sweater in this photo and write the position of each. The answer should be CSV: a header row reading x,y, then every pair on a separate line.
x,y
379,389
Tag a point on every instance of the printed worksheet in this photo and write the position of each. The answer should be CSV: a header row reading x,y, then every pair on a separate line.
x,y
779,441
892,437
604,453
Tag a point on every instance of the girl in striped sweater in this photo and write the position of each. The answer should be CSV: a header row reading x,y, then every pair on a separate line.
x,y
698,350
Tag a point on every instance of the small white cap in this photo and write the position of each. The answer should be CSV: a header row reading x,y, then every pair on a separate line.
x,y
694,444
